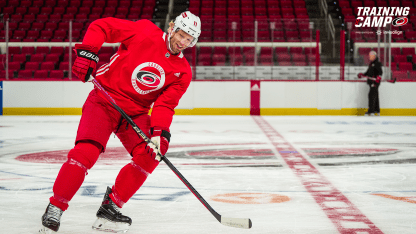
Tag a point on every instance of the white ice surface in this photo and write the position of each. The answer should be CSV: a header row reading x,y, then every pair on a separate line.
x,y
165,205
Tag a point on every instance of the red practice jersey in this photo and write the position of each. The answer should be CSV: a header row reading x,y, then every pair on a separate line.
x,y
143,71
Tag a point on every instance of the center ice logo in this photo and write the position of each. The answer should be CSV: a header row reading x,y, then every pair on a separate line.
x,y
148,77
381,16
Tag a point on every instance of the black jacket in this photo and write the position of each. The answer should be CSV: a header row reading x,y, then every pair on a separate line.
x,y
374,70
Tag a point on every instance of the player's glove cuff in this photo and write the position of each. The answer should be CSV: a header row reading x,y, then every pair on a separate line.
x,y
86,47
159,131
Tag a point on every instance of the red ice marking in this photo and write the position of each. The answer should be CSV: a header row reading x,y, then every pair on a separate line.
x,y
343,213
111,154
234,153
60,156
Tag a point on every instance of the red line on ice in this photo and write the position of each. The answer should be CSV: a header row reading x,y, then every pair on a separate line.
x,y
342,212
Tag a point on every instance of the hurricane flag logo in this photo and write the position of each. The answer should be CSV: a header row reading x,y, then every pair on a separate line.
x,y
148,77
399,21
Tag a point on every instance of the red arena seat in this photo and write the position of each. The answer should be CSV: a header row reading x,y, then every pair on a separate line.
x,y
32,66
41,74
25,74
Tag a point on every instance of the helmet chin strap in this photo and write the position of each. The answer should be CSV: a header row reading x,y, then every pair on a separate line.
x,y
168,42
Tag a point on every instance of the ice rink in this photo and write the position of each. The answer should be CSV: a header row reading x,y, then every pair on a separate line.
x,y
289,174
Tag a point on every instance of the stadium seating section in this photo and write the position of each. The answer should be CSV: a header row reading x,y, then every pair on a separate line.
x,y
48,20
278,20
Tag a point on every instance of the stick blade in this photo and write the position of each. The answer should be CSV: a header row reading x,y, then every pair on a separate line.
x,y
236,222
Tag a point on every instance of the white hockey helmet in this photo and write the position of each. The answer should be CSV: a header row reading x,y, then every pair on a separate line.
x,y
190,24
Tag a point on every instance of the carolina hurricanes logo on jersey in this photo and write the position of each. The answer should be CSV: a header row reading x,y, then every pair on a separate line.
x,y
148,77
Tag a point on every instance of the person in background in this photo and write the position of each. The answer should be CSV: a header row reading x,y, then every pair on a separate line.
x,y
373,75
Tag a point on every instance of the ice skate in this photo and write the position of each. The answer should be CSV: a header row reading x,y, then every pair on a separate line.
x,y
109,217
51,220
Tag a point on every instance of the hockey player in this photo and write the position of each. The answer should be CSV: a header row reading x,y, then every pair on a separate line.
x,y
374,71
148,68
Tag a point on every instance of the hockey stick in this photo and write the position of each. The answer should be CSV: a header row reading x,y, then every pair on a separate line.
x,y
232,222
374,79
392,81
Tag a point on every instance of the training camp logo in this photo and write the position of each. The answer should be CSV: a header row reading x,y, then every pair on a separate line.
x,y
381,16
148,77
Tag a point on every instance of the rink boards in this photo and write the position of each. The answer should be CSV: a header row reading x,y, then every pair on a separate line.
x,y
223,98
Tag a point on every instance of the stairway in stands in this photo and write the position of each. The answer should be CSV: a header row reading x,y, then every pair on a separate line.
x,y
330,52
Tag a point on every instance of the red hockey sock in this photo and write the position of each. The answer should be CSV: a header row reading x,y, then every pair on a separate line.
x,y
130,178
72,173
67,183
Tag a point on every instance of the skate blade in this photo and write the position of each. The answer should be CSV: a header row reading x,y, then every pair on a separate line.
x,y
108,226
45,230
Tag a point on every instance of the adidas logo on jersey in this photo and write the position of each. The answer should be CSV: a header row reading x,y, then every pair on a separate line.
x,y
177,74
